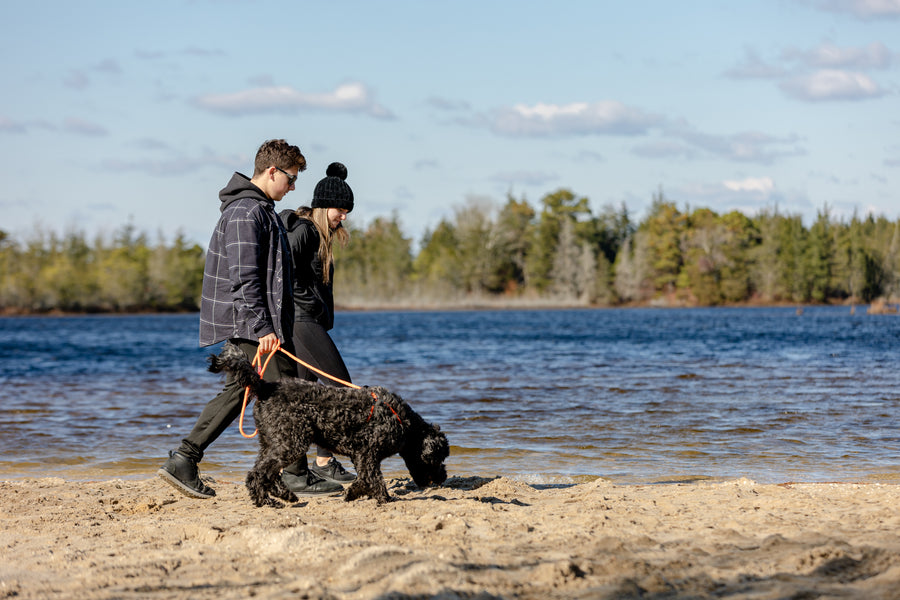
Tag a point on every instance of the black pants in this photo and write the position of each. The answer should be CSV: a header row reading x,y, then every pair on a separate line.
x,y
313,345
222,410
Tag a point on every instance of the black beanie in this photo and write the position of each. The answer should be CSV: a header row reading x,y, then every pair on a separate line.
x,y
333,191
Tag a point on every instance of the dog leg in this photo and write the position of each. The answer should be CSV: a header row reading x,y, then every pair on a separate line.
x,y
264,479
369,480
280,490
255,483
378,487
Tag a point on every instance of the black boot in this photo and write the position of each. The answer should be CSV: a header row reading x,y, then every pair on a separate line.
x,y
182,473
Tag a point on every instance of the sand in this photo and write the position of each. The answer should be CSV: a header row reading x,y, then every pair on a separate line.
x,y
473,538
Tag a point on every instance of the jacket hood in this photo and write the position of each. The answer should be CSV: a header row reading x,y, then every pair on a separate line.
x,y
292,220
241,187
289,218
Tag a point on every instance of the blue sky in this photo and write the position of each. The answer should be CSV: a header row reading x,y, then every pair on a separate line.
x,y
122,112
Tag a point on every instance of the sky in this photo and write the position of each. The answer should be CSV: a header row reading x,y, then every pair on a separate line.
x,y
117,113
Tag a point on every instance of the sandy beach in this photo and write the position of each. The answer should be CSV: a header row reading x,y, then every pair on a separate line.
x,y
473,538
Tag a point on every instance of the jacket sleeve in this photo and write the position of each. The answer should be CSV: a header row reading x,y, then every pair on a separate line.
x,y
246,245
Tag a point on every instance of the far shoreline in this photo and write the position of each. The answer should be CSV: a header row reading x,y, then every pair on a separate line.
x,y
875,308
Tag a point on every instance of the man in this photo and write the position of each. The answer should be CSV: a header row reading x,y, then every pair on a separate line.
x,y
247,299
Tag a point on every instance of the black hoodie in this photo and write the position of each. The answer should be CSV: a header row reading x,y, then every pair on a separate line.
x,y
313,298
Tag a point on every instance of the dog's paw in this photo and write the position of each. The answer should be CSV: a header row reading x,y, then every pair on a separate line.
x,y
286,495
268,502
273,503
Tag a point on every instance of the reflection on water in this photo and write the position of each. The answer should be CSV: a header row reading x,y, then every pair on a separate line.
x,y
545,396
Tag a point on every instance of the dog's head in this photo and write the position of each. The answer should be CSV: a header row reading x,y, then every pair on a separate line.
x,y
425,458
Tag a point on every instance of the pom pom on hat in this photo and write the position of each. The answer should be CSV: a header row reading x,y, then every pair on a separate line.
x,y
333,191
336,169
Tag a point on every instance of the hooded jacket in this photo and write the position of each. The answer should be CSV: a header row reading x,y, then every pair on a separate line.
x,y
313,298
247,278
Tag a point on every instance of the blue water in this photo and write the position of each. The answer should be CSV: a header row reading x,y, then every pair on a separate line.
x,y
633,395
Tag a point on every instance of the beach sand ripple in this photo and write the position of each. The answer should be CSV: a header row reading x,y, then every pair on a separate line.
x,y
473,538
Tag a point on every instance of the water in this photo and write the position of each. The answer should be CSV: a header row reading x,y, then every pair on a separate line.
x,y
632,395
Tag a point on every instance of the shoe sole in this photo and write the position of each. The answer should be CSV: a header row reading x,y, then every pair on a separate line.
x,y
320,494
178,485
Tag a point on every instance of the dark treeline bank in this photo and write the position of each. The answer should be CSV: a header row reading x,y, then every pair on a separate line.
x,y
558,253
49,272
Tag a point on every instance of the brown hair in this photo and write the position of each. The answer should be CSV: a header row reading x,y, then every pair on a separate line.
x,y
278,153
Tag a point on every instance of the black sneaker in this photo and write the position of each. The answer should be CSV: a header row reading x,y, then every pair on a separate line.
x,y
182,473
333,471
310,484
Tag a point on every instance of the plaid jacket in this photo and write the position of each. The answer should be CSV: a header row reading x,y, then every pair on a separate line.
x,y
247,277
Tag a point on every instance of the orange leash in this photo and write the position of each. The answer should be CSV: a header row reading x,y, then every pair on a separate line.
x,y
261,369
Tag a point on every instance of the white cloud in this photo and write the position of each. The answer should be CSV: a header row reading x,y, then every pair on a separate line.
x,y
762,185
831,84
721,198
873,56
349,97
578,118
866,9
747,146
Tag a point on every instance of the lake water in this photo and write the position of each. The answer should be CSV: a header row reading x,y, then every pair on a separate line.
x,y
633,395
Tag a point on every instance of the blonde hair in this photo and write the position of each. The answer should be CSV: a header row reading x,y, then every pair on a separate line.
x,y
327,237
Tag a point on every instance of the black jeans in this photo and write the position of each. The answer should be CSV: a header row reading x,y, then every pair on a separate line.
x,y
222,410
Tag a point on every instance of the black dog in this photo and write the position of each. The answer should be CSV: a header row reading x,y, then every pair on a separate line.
x,y
367,424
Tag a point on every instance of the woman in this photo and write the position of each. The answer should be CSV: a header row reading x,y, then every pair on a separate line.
x,y
311,233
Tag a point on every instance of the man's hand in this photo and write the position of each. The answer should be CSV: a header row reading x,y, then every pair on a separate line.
x,y
268,343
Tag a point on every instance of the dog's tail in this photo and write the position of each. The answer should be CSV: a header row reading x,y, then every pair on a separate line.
x,y
232,360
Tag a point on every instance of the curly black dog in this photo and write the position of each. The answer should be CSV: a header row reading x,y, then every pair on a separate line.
x,y
367,424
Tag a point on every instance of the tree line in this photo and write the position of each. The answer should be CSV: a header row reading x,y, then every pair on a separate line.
x,y
125,273
559,252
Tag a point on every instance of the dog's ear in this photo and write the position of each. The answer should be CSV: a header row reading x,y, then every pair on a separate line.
x,y
435,447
